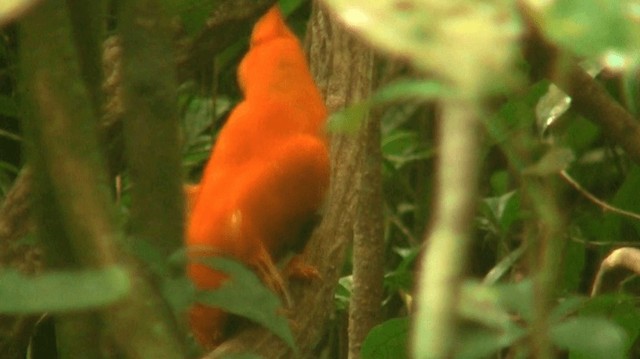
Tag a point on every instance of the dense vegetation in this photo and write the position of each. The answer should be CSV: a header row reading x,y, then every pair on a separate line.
x,y
510,150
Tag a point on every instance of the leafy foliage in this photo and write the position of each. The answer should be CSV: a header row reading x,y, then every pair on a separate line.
x,y
245,295
65,291
497,303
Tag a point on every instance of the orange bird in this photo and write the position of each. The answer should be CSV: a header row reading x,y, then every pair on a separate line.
x,y
267,174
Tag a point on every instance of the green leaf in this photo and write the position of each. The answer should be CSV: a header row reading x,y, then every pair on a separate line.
x,y
482,343
348,120
590,338
193,13
502,267
387,340
410,89
289,6
589,27
342,297
245,295
554,161
62,291
618,308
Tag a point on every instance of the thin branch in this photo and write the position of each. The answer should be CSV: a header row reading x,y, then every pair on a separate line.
x,y
588,195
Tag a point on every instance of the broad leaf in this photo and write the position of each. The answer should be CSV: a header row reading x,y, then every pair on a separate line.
x,y
62,291
245,295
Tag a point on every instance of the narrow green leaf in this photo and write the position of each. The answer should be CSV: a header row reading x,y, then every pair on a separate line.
x,y
410,89
10,135
494,275
62,291
245,295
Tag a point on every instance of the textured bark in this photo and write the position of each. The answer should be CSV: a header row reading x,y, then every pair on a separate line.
x,y
342,69
368,237
151,127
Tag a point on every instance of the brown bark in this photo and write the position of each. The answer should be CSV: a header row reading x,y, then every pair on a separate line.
x,y
368,237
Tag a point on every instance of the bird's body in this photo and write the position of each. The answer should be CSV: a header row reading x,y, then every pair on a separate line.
x,y
268,171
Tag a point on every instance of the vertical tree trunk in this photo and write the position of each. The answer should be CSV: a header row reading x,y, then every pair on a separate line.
x,y
368,236
75,217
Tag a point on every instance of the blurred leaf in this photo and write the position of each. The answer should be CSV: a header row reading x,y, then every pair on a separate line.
x,y
489,307
10,135
63,291
628,198
471,47
511,127
348,120
550,107
555,160
566,307
590,338
618,308
503,210
572,266
342,297
245,295
410,89
387,340
193,13
503,267
589,27
482,343
289,6
403,147
11,10
179,292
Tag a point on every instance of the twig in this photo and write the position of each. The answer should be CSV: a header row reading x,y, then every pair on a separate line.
x,y
605,206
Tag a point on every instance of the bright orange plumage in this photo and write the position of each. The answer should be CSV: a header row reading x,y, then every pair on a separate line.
x,y
268,171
